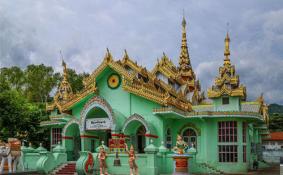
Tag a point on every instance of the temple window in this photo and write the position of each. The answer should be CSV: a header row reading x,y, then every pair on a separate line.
x,y
227,133
225,100
228,153
244,153
56,135
190,137
168,139
244,131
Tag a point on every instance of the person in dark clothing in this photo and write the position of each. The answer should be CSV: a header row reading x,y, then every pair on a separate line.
x,y
255,165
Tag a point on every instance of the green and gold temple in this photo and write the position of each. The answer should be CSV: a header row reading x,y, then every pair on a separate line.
x,y
122,100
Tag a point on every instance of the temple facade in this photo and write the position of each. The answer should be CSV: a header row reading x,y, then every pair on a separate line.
x,y
122,100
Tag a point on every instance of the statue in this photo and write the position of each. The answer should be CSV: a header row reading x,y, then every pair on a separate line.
x,y
10,152
132,158
181,145
102,161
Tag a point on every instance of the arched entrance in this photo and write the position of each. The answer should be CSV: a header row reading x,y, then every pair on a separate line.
x,y
72,140
141,139
136,131
139,132
97,122
190,137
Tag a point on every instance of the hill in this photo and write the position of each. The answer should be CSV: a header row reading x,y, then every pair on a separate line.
x,y
275,108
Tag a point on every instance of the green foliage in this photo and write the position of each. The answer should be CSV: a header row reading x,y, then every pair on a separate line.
x,y
12,78
23,94
40,80
275,108
276,117
18,118
76,80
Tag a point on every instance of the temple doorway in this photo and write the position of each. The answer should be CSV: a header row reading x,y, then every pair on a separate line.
x,y
141,131
72,141
190,137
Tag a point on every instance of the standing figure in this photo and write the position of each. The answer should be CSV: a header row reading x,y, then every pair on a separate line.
x,y
181,145
132,160
10,152
102,161
5,155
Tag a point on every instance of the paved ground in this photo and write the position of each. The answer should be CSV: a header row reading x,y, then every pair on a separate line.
x,y
268,171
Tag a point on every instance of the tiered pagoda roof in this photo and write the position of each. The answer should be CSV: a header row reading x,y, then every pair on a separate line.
x,y
136,79
182,75
227,82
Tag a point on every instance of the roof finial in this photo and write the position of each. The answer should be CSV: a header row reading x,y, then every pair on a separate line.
x,y
108,55
227,47
126,56
64,66
184,22
184,59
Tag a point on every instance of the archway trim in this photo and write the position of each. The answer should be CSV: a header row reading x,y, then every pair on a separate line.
x,y
99,102
190,126
69,123
136,117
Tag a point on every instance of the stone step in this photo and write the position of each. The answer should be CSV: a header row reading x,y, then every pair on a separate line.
x,y
67,169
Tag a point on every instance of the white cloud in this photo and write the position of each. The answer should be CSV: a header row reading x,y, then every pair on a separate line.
x,y
33,32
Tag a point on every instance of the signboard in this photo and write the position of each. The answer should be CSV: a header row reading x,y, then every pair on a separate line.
x,y
98,124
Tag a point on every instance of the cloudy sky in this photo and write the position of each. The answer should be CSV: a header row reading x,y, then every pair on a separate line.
x,y
33,32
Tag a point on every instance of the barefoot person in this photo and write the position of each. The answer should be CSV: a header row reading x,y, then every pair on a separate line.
x,y
132,160
102,161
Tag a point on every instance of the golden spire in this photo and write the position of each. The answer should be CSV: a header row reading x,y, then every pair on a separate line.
x,y
65,90
65,74
184,59
227,49
227,82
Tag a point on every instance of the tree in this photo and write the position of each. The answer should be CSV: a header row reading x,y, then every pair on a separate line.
x,y
13,77
19,118
40,80
76,80
276,117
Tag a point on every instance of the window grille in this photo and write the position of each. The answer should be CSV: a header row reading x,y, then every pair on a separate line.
x,y
227,133
168,139
244,153
228,153
56,135
244,132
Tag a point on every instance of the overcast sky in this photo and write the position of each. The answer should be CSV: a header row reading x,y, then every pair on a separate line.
x,y
34,31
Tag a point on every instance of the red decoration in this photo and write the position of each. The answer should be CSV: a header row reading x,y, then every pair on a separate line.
x,y
117,144
181,164
89,164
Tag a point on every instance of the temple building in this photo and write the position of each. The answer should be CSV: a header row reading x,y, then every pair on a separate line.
x,y
149,108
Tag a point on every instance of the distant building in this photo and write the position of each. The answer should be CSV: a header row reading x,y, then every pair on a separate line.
x,y
273,147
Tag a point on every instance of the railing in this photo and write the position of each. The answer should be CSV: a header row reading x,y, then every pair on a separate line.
x,y
207,113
